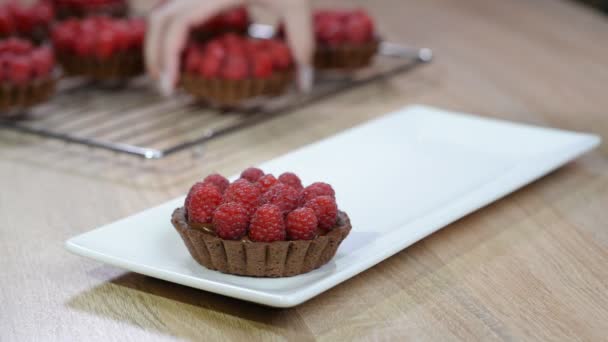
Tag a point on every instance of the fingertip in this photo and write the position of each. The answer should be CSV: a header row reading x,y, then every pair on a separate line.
x,y
167,84
306,77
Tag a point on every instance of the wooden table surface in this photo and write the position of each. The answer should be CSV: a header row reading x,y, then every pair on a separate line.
x,y
533,265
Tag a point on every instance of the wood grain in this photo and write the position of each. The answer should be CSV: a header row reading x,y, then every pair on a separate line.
x,y
530,266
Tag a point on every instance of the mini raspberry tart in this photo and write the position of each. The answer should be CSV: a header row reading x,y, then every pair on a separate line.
x,y
235,20
345,39
85,8
101,48
30,22
246,231
231,69
26,75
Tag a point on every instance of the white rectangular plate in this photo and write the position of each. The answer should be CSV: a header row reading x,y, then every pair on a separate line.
x,y
400,178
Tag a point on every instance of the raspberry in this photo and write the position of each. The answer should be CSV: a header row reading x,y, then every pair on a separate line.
x,y
20,70
283,196
193,59
317,189
230,221
281,55
329,31
262,65
267,224
358,27
252,174
302,224
105,44
201,201
292,180
235,68
215,49
218,180
236,18
325,209
210,66
265,183
244,193
43,61
6,23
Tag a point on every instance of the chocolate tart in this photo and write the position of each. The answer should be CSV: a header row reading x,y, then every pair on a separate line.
x,y
259,259
119,66
230,92
14,97
345,56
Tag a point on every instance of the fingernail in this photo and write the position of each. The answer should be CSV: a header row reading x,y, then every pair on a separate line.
x,y
166,84
306,77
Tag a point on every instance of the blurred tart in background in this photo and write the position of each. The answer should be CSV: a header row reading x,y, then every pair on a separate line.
x,y
26,75
100,48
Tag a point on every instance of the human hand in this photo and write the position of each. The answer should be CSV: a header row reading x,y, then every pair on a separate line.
x,y
169,26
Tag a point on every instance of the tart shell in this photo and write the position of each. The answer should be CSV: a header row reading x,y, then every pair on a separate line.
x,y
345,56
119,66
15,97
260,259
230,92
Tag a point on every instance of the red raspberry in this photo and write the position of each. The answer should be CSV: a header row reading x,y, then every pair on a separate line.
x,y
62,37
252,174
317,189
292,180
19,70
16,46
85,45
281,55
302,224
138,33
215,49
210,66
244,193
266,182
235,68
193,59
359,27
326,209
330,31
43,61
106,42
231,39
283,196
218,180
230,221
24,21
267,224
235,18
43,13
262,65
122,34
201,202
6,22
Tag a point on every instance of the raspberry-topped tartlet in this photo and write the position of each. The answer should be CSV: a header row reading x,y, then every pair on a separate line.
x,y
261,226
345,39
31,22
101,48
234,20
26,75
231,68
84,8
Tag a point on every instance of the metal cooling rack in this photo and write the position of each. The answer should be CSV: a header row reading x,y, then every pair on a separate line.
x,y
135,120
